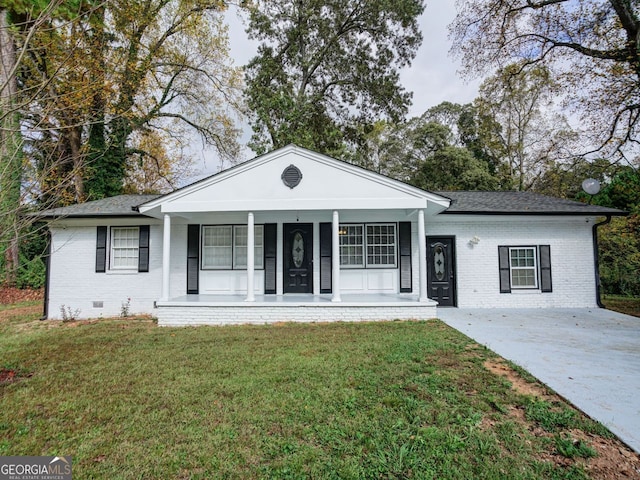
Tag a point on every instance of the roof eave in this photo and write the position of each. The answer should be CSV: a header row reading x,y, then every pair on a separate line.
x,y
618,213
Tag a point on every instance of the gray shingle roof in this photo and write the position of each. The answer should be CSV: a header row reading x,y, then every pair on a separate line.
x,y
469,203
519,203
119,206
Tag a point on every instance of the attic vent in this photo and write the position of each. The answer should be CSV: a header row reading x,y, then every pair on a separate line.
x,y
291,176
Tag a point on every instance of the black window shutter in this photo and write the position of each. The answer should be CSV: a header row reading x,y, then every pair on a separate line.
x,y
545,268
101,250
270,257
193,258
143,249
505,271
325,257
404,241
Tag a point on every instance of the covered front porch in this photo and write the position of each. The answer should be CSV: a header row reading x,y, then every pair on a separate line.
x,y
265,309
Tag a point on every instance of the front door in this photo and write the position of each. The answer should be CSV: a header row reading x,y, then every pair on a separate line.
x,y
441,268
298,257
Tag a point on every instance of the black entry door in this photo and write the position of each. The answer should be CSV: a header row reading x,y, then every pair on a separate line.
x,y
298,257
441,268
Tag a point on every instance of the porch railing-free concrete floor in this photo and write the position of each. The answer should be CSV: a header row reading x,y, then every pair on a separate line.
x,y
376,299
228,310
591,356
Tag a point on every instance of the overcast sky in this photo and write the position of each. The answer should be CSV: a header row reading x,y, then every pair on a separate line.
x,y
433,77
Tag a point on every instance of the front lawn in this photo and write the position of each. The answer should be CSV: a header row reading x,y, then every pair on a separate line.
x,y
628,305
128,399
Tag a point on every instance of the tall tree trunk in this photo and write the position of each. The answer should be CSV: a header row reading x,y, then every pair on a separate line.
x,y
75,142
10,152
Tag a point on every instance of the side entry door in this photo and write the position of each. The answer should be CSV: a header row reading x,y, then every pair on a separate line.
x,y
441,268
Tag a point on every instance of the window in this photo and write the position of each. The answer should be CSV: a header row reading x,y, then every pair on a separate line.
x,y
523,266
217,247
379,243
224,247
351,246
124,248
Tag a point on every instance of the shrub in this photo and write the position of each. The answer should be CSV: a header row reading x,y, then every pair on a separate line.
x,y
31,273
620,256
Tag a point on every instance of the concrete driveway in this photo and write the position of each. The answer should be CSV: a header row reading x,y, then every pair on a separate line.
x,y
589,356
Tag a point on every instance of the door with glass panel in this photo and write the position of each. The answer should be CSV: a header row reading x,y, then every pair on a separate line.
x,y
441,270
298,257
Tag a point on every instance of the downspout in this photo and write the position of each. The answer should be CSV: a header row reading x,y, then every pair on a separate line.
x,y
47,276
595,258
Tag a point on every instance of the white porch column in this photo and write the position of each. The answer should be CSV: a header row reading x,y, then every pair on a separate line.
x,y
250,258
422,247
335,257
166,258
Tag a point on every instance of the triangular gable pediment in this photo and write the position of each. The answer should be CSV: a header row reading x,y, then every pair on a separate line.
x,y
325,184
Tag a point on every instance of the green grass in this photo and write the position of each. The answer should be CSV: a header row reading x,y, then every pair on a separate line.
x,y
128,399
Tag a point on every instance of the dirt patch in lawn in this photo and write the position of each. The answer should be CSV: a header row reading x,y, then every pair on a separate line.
x,y
519,384
614,460
9,375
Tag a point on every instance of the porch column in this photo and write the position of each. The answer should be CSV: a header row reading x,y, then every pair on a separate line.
x,y
250,257
422,247
335,257
166,258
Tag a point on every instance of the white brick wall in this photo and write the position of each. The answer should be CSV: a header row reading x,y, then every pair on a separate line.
x,y
260,314
75,284
572,262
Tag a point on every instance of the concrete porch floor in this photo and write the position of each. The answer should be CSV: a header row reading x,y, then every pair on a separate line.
x,y
234,309
298,299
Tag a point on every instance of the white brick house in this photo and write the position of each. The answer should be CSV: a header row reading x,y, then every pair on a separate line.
x,y
297,236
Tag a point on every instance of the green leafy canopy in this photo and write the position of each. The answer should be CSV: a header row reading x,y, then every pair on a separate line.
x,y
325,67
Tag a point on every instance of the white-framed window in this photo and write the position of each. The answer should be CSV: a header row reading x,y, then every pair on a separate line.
x,y
371,245
351,246
124,248
381,245
224,247
523,266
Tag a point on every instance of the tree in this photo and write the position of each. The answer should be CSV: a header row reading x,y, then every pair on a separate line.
x,y
524,134
592,47
152,169
92,78
564,179
427,151
17,17
325,67
10,150
476,132
129,70
454,168
619,241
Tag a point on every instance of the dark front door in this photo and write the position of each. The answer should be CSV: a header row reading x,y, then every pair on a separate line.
x,y
298,257
441,268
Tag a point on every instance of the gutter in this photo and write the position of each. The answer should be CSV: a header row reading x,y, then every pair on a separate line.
x,y
595,258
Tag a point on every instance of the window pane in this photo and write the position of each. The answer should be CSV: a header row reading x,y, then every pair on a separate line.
x,y
259,246
381,245
523,267
240,246
216,247
124,247
351,245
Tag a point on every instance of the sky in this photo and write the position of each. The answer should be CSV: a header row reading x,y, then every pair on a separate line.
x,y
433,76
